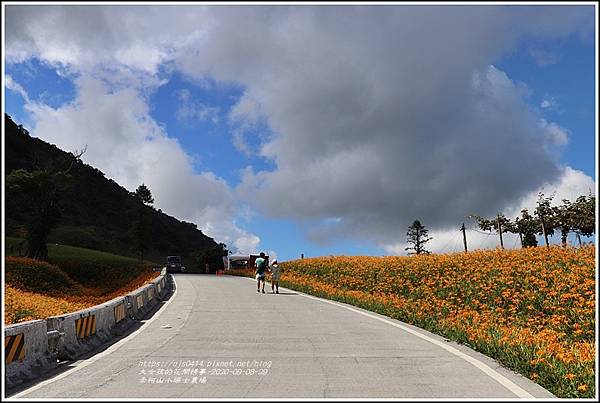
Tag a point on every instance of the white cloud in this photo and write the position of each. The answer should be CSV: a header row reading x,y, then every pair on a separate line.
x,y
16,87
558,135
130,147
272,255
549,103
364,124
572,184
190,110
244,117
85,37
543,57
246,112
239,142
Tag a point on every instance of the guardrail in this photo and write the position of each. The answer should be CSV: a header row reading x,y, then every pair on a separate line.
x,y
34,347
26,351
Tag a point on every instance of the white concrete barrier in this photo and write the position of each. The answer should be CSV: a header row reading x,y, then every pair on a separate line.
x,y
87,329
161,286
146,297
33,347
26,352
139,303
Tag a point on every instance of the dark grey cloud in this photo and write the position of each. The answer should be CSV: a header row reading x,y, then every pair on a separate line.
x,y
378,114
386,114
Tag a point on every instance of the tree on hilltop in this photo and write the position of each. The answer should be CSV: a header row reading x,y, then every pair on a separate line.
x,y
141,222
527,226
585,216
39,193
500,224
547,216
417,236
143,194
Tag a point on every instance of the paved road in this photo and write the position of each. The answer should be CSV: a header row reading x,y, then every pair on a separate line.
x,y
279,346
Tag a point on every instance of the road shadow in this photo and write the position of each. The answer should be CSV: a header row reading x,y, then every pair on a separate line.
x,y
66,365
281,293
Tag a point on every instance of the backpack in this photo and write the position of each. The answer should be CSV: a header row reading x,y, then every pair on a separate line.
x,y
262,266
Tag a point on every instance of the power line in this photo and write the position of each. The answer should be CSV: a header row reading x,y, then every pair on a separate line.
x,y
474,242
515,244
456,243
481,232
446,246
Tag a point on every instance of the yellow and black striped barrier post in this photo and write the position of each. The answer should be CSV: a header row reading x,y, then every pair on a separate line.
x,y
140,301
119,313
14,347
86,326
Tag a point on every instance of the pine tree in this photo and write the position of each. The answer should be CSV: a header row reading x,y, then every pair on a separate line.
x,y
142,193
141,223
417,236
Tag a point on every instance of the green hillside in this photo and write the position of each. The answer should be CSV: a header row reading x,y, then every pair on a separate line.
x,y
96,212
87,266
72,279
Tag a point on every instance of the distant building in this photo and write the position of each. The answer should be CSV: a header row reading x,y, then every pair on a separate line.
x,y
241,261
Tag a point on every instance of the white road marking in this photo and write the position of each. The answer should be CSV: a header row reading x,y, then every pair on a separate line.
x,y
96,357
507,383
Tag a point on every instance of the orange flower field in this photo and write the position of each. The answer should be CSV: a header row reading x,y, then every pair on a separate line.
x,y
37,290
532,309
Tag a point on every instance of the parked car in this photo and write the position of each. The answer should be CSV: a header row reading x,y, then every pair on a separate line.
x,y
174,264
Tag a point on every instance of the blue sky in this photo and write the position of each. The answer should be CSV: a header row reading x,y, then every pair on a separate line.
x,y
264,167
569,81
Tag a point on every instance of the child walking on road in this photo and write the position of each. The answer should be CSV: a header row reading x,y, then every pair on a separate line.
x,y
275,275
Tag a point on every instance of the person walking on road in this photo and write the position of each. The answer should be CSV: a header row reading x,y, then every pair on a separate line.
x,y
261,271
275,275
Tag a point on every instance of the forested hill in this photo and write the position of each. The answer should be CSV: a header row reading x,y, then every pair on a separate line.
x,y
97,212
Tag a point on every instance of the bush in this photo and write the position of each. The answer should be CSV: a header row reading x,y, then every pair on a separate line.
x,y
34,275
95,268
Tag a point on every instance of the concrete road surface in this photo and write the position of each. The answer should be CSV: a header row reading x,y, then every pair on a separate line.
x,y
218,338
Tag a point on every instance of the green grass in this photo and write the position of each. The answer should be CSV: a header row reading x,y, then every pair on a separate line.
x,y
35,276
87,266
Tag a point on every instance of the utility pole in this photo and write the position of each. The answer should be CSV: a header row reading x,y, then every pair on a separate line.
x,y
500,232
464,236
521,238
544,229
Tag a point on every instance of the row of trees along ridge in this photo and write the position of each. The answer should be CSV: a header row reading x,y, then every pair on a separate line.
x,y
578,217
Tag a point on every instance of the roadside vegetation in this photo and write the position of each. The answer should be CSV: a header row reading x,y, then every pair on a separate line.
x,y
72,279
531,309
52,196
